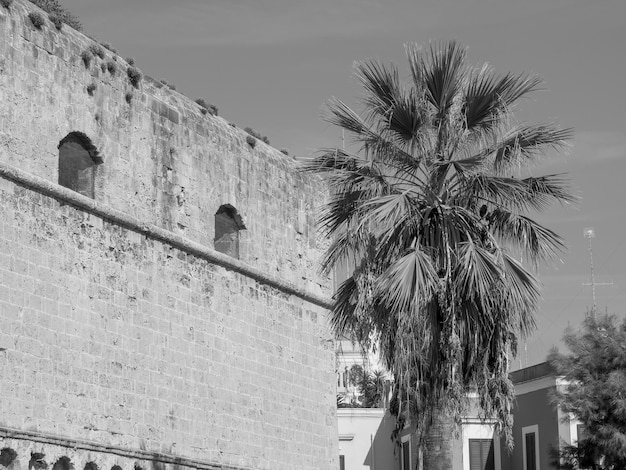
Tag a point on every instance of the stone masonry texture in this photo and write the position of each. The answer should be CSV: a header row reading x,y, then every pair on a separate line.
x,y
121,350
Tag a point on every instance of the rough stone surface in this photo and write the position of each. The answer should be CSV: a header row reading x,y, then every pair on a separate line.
x,y
164,161
111,336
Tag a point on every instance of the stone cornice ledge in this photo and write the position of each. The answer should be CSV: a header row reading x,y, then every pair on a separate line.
x,y
68,196
44,438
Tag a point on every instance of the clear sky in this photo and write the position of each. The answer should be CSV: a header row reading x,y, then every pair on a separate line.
x,y
272,64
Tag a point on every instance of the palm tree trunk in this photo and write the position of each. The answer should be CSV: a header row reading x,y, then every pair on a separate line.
x,y
436,445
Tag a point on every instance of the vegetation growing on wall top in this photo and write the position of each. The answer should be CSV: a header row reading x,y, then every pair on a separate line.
x,y
87,57
58,15
108,46
36,19
134,76
54,8
254,133
111,67
96,50
56,20
171,86
207,107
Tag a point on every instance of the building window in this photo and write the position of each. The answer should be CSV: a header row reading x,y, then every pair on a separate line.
x,y
342,462
481,454
530,444
405,463
228,224
78,158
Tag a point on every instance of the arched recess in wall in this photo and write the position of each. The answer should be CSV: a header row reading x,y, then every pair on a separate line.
x,y
37,461
64,463
228,224
7,458
78,158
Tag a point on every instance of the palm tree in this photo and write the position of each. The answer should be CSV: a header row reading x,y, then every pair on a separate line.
x,y
432,211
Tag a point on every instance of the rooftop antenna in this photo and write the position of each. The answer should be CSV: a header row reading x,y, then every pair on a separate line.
x,y
590,234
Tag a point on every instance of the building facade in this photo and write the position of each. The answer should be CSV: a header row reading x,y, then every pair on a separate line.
x,y
159,297
539,429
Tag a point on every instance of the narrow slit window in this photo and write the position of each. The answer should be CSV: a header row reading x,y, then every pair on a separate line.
x,y
78,158
228,224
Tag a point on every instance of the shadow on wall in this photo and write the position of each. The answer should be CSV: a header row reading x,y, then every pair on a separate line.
x,y
228,224
8,458
382,455
78,158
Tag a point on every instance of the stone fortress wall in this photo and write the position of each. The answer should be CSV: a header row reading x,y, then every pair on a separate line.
x,y
126,340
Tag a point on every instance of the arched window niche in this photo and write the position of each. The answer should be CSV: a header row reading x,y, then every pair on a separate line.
x,y
78,158
228,224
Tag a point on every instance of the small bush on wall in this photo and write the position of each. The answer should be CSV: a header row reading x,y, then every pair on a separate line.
x,y
207,107
112,67
109,47
134,76
54,8
91,88
56,21
87,57
36,19
254,133
97,50
251,141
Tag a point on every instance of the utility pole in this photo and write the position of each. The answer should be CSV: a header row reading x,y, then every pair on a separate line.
x,y
589,233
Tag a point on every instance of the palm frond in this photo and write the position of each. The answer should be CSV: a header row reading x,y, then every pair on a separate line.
x,y
524,292
348,244
331,160
409,282
382,85
405,119
488,96
386,212
343,317
538,243
443,73
534,193
379,142
339,114
522,144
475,274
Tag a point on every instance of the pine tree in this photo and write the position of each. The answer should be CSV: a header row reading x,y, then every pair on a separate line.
x,y
596,394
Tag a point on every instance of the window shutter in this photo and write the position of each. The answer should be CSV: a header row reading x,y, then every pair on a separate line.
x,y
531,452
481,454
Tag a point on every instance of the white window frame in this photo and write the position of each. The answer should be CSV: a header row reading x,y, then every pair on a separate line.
x,y
527,430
